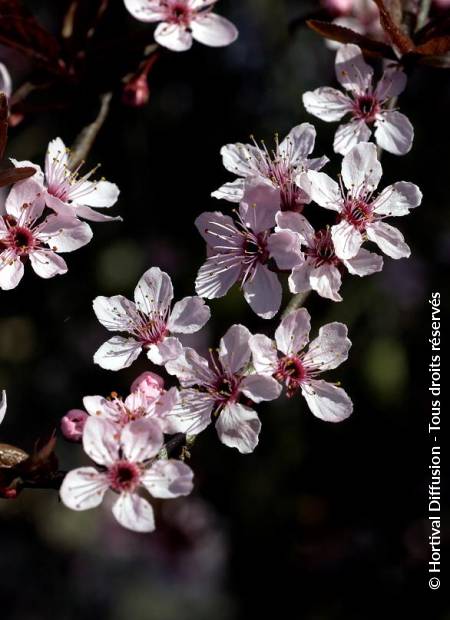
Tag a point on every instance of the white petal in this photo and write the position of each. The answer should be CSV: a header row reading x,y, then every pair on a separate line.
x,y
234,349
83,488
259,205
349,135
216,276
398,199
260,387
352,71
326,280
361,168
101,440
103,194
100,407
364,263
154,292
174,37
145,10
168,479
141,440
299,280
233,191
329,349
292,334
327,103
26,196
299,143
117,353
47,264
264,354
241,159
134,513
327,401
392,83
288,220
389,239
213,30
11,270
191,369
263,292
188,316
394,132
64,234
116,313
95,216
3,404
347,239
284,247
169,349
238,427
325,191
57,156
218,230
192,413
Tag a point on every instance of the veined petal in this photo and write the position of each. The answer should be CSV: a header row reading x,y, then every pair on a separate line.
x,y
11,270
263,292
146,10
398,199
141,440
364,263
3,404
238,427
218,230
259,205
173,36
168,479
394,132
25,201
232,191
154,292
361,170
329,349
327,401
289,220
213,30
188,316
234,349
292,334
101,407
349,135
95,216
264,354
241,159
99,194
64,234
260,388
325,191
117,353
392,83
134,513
47,264
168,349
191,368
192,413
327,103
389,239
326,280
299,280
116,313
299,143
347,240
83,488
352,71
101,440
284,247
216,276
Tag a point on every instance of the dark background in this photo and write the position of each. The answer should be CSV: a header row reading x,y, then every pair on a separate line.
x,y
323,521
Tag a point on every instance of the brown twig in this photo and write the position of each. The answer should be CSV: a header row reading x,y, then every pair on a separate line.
x,y
86,138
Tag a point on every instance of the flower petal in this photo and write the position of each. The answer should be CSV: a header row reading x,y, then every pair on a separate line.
x,y
191,368
234,349
116,313
191,414
83,488
299,143
188,316
264,354
241,159
47,264
327,103
101,407
349,135
173,36
233,191
347,239
398,199
64,234
284,247
134,513
168,479
26,200
101,440
392,83
325,191
3,405
361,170
98,194
146,10
154,292
394,132
213,30
263,292
299,280
141,440
364,263
117,353
168,349
289,220
327,401
326,280
11,270
260,387
95,216
352,71
330,349
238,427
259,205
389,239
292,334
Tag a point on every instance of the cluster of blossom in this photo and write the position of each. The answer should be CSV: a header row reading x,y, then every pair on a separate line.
x,y
42,214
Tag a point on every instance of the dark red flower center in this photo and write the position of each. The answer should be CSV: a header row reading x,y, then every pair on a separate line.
x,y
366,107
124,476
357,212
21,239
292,372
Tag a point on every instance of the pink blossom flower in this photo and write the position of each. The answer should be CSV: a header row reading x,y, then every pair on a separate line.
x,y
5,81
26,234
150,384
215,390
3,406
68,193
130,463
299,369
321,269
361,16
182,21
278,168
149,321
240,250
139,404
366,105
72,424
360,212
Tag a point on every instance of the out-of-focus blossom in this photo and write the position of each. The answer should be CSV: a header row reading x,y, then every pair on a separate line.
x,y
150,384
360,211
149,320
68,193
215,390
366,105
361,16
26,233
72,424
321,270
130,464
299,369
136,92
278,167
5,81
3,405
240,249
184,20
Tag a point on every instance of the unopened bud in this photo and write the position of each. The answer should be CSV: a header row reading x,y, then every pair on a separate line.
x,y
136,92
72,424
149,383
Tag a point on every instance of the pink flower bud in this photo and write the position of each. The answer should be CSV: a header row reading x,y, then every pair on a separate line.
x,y
340,7
72,424
149,383
136,92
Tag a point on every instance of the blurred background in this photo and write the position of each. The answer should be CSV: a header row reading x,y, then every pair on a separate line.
x,y
323,521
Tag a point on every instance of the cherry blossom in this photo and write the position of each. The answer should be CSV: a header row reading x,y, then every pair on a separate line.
x,y
241,248
25,233
149,321
129,463
298,369
366,105
144,401
214,390
5,80
361,16
72,424
3,406
321,270
184,20
68,193
278,167
360,212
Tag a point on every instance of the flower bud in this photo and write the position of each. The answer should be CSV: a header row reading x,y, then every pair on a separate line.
x,y
136,92
149,383
72,424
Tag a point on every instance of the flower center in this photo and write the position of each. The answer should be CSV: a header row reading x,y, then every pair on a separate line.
x,y
366,107
124,476
323,250
153,331
21,239
292,371
357,212
180,14
255,247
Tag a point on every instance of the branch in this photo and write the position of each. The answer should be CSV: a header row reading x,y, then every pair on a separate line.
x,y
296,302
86,138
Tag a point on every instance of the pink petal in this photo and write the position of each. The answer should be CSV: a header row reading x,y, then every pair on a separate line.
x,y
392,83
47,264
233,191
260,388
234,349
30,193
299,280
364,263
188,316
326,280
94,216
190,368
116,313
347,239
327,401
100,407
216,276
325,191
263,292
99,194
168,479
217,230
101,441
398,199
259,205
361,168
83,488
241,159
3,404
169,349
288,220
117,353
284,247
213,30
292,334
349,135
134,513
173,37
327,103
352,71
330,349
264,354
389,239
238,427
299,143
146,10
141,440
394,132
64,234
191,414
11,270
154,292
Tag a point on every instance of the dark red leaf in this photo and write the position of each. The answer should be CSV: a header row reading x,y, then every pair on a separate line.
x,y
398,38
13,175
345,35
